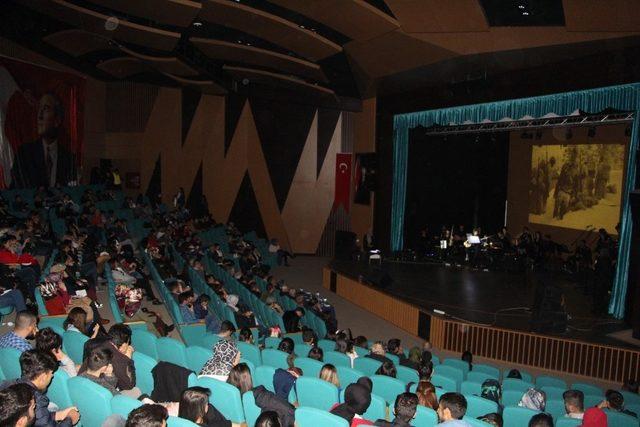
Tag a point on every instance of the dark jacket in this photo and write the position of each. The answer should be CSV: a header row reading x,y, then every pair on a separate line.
x,y
291,321
214,418
29,168
405,361
268,401
123,367
283,382
44,418
169,381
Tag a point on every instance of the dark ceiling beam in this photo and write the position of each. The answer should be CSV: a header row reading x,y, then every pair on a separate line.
x,y
178,13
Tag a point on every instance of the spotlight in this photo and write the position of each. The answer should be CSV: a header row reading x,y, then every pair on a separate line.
x,y
568,134
591,132
627,131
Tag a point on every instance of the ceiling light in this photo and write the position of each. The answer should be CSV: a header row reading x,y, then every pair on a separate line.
x,y
520,6
197,24
525,13
301,26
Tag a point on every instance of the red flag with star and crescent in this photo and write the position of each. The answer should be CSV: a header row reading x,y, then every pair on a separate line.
x,y
343,181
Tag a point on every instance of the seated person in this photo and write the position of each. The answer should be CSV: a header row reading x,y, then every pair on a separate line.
x,y
376,352
292,318
38,368
404,410
99,370
25,329
9,295
201,307
451,410
76,321
17,406
186,300
195,407
148,416
50,342
225,356
574,403
394,347
614,401
357,398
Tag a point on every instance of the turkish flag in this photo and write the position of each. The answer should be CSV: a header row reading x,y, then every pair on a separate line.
x,y
343,181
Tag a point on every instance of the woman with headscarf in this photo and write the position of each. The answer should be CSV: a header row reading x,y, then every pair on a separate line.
x,y
243,316
534,399
357,398
225,356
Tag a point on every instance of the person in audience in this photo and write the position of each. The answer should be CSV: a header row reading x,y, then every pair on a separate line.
x,y
533,399
286,345
388,369
148,416
195,407
124,368
541,420
17,406
309,337
186,300
614,401
629,384
394,346
594,417
25,267
99,370
225,356
25,329
245,335
425,370
292,318
574,403
316,353
329,373
201,307
357,398
272,304
426,393
50,342
226,330
361,341
345,346
492,390
451,409
377,352
494,419
415,358
404,410
37,369
76,321
514,373
284,379
268,419
11,297
467,356
240,377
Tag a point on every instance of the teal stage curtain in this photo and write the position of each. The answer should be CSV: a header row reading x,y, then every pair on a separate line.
x,y
623,97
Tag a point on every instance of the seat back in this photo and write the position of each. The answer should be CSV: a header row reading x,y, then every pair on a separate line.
x,y
453,372
568,422
302,350
272,342
618,419
477,406
275,358
145,342
251,410
587,388
122,405
515,384
471,388
209,340
73,345
630,398
407,375
196,357
553,392
515,416
475,422
425,417
337,359
549,381
479,377
377,409
250,352
10,363
457,363
348,375
327,345
144,377
93,401
316,393
264,377
225,398
511,397
58,391
366,365
491,370
555,407
170,350
310,367
445,383
387,387
312,417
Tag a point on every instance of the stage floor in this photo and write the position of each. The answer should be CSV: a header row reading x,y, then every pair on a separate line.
x,y
493,298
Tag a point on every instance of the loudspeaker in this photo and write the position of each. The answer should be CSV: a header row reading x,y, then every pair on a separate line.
x,y
345,245
379,278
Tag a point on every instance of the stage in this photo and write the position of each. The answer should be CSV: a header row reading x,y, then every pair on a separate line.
x,y
489,298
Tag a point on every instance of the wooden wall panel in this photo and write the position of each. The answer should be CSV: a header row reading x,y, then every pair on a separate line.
x,y
364,142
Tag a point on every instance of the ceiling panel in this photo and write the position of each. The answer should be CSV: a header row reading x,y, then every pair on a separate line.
x,y
96,22
122,68
270,78
179,13
170,65
269,27
79,42
240,53
598,15
355,19
206,86
435,16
